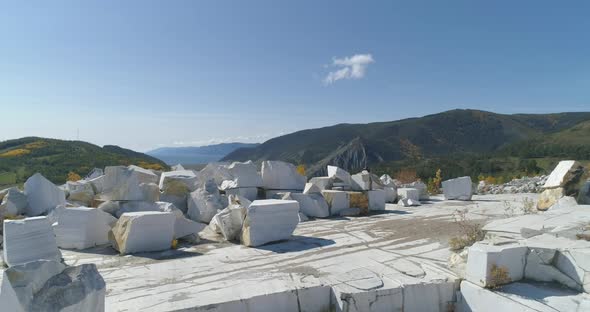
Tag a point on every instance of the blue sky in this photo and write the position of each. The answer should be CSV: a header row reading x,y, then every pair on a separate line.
x,y
144,74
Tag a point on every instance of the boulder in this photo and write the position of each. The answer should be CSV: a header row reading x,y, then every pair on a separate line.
x,y
76,288
21,282
409,193
491,266
279,175
205,202
81,227
376,200
42,195
337,200
459,188
323,183
29,239
143,231
251,193
269,220
339,175
14,203
312,205
129,183
549,197
390,194
80,192
245,174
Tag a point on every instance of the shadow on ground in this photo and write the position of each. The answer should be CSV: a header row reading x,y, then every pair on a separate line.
x,y
297,243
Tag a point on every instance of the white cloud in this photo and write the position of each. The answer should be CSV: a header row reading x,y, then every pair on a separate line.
x,y
353,67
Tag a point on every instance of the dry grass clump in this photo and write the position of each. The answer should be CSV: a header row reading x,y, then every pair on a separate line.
x,y
469,232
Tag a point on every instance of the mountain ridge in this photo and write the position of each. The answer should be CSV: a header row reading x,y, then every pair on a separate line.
x,y
451,132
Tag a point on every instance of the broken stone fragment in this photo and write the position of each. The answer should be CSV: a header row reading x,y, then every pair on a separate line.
x,y
229,221
313,205
390,194
421,187
143,231
311,188
205,202
81,227
406,202
337,200
269,220
21,282
279,175
29,239
458,188
549,197
42,195
340,175
80,192
14,203
409,193
76,288
251,193
323,183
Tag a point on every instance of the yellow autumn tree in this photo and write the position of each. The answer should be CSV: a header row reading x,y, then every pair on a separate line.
x,y
301,169
72,176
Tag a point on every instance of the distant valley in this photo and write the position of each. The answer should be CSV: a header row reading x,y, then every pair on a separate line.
x,y
197,155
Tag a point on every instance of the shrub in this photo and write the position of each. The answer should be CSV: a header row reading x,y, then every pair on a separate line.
x,y
499,276
72,176
434,183
301,169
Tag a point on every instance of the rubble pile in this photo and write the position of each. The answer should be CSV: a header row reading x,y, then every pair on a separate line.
x,y
516,186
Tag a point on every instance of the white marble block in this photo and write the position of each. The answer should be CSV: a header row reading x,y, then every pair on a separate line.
x,y
205,202
42,195
376,199
143,231
279,175
81,227
251,193
458,188
559,175
129,183
323,183
269,220
482,257
29,239
337,201
312,205
409,193
390,194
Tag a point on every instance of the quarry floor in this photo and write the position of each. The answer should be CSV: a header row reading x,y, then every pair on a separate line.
x,y
386,254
